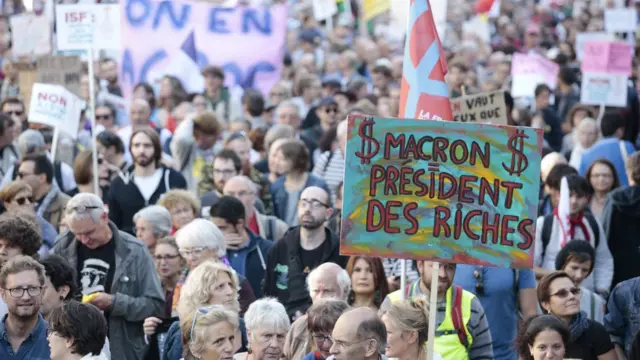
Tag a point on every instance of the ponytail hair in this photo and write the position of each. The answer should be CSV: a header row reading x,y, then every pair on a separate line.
x,y
411,315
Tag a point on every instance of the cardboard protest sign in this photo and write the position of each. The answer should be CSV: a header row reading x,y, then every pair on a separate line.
x,y
60,70
249,42
81,26
582,38
54,106
27,76
31,35
607,56
529,70
440,190
620,20
604,88
480,108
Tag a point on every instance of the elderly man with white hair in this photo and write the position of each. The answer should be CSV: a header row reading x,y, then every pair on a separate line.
x,y
289,113
32,142
328,280
269,227
202,240
152,224
116,273
267,324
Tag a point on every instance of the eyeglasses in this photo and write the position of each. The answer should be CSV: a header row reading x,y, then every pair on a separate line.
x,y
80,209
478,274
24,200
159,258
16,113
313,203
331,110
19,291
197,251
320,338
563,293
201,311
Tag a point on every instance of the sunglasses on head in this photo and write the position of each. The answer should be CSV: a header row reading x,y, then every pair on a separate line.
x,y
563,293
23,200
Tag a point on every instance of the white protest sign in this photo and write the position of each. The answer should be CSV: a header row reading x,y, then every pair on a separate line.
x,y
80,27
488,108
478,26
31,35
620,20
324,9
54,106
582,38
604,88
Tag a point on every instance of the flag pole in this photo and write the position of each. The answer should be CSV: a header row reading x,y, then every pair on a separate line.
x,y
94,127
403,279
433,309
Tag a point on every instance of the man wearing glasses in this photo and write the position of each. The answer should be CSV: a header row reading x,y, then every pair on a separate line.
x,y
115,272
23,331
302,249
359,334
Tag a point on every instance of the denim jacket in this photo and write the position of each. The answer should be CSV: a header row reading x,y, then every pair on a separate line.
x,y
622,320
35,347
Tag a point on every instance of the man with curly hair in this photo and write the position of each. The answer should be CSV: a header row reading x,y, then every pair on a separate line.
x,y
18,236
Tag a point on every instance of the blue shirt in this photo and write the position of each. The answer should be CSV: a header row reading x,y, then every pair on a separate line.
x,y
35,347
500,302
608,148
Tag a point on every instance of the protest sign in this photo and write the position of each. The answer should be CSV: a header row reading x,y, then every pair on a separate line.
x,y
530,70
60,70
373,8
477,26
54,106
80,27
582,38
247,42
440,190
324,9
27,76
480,108
604,88
607,56
620,20
31,35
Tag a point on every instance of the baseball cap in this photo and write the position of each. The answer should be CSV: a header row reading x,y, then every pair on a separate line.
x,y
326,101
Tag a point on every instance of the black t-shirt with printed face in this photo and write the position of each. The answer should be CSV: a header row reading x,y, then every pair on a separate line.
x,y
96,268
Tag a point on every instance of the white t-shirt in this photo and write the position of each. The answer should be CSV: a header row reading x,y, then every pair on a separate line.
x,y
148,184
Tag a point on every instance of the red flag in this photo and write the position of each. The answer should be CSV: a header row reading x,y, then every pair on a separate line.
x,y
483,6
424,93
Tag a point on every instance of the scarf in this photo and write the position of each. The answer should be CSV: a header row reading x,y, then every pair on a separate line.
x,y
574,222
579,323
47,200
576,155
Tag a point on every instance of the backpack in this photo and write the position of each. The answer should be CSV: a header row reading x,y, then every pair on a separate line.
x,y
547,224
456,315
57,173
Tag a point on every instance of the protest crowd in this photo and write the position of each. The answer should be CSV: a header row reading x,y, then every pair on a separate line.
x,y
212,227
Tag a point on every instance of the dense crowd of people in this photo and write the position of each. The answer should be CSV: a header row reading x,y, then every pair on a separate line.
x,y
214,231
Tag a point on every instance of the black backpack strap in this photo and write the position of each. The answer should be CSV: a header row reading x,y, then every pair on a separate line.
x,y
593,224
16,167
185,162
270,222
326,164
57,173
547,225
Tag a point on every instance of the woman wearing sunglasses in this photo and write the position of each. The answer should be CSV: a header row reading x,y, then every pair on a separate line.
x,y
558,295
210,333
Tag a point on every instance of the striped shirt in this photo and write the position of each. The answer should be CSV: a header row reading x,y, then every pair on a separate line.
x,y
330,167
393,267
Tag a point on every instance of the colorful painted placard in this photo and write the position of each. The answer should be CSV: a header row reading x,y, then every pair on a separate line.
x,y
441,190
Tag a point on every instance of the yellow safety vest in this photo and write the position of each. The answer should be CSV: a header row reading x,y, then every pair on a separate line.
x,y
447,342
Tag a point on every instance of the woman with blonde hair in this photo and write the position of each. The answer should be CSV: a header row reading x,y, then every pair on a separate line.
x,y
267,326
210,333
183,206
407,323
211,283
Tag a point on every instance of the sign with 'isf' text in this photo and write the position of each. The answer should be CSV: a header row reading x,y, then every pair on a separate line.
x,y
441,190
54,106
80,27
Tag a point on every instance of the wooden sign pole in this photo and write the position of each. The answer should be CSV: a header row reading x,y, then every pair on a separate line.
x,y
433,310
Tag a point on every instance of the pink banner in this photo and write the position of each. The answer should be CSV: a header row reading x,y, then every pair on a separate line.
x,y
613,57
247,42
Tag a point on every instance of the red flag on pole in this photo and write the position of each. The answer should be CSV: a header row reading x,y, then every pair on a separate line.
x,y
424,93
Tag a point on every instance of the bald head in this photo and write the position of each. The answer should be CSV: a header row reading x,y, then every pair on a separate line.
x,y
357,326
140,112
328,280
549,161
243,189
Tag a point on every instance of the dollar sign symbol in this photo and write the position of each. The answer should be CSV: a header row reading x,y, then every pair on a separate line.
x,y
519,161
368,142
